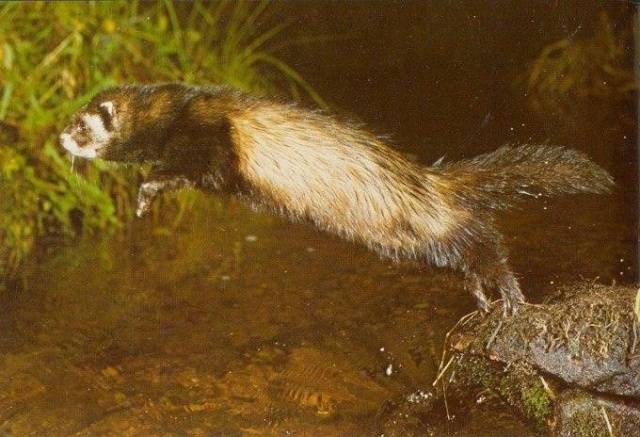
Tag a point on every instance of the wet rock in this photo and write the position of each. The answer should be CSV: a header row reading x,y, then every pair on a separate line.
x,y
586,338
580,413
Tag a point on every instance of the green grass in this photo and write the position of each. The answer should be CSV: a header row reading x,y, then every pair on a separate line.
x,y
54,56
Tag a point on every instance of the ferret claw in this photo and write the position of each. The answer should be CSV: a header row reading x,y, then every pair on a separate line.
x,y
511,304
508,309
142,209
474,286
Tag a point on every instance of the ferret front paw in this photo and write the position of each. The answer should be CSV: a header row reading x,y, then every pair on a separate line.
x,y
146,193
143,208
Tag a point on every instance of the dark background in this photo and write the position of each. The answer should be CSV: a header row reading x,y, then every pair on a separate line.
x,y
449,78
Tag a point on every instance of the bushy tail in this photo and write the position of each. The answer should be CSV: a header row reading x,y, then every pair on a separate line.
x,y
504,176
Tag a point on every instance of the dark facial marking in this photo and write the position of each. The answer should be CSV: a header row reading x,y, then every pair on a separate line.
x,y
106,117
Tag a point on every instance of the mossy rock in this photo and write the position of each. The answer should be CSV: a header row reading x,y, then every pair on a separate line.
x,y
587,337
586,341
581,413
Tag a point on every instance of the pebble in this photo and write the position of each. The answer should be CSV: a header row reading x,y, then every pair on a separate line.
x,y
418,396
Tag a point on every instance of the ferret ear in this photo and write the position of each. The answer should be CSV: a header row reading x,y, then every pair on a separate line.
x,y
109,108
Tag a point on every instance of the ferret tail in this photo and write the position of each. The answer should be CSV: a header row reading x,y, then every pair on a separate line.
x,y
509,174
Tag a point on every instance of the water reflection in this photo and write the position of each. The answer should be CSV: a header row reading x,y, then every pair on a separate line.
x,y
208,328
233,322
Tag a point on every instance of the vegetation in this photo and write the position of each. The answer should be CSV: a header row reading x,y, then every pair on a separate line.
x,y
49,68
597,66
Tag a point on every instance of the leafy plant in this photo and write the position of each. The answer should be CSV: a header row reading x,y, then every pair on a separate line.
x,y
597,66
51,67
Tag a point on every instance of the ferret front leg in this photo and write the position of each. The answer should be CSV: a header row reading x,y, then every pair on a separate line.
x,y
151,189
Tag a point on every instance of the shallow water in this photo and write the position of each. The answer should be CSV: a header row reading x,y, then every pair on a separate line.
x,y
236,322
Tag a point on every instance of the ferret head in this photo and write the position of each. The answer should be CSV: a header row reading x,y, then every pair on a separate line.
x,y
128,123
117,125
93,129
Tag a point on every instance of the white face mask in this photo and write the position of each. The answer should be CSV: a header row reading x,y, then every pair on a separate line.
x,y
90,134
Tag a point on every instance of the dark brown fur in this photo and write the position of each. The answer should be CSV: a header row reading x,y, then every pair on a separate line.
x,y
345,180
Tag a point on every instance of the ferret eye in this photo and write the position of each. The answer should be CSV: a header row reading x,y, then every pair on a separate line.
x,y
82,126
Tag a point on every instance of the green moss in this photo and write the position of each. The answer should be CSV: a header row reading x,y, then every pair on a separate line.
x,y
537,404
519,387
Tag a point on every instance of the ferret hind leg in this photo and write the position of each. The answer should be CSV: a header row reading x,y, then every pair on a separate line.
x,y
473,284
486,267
509,288
496,272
